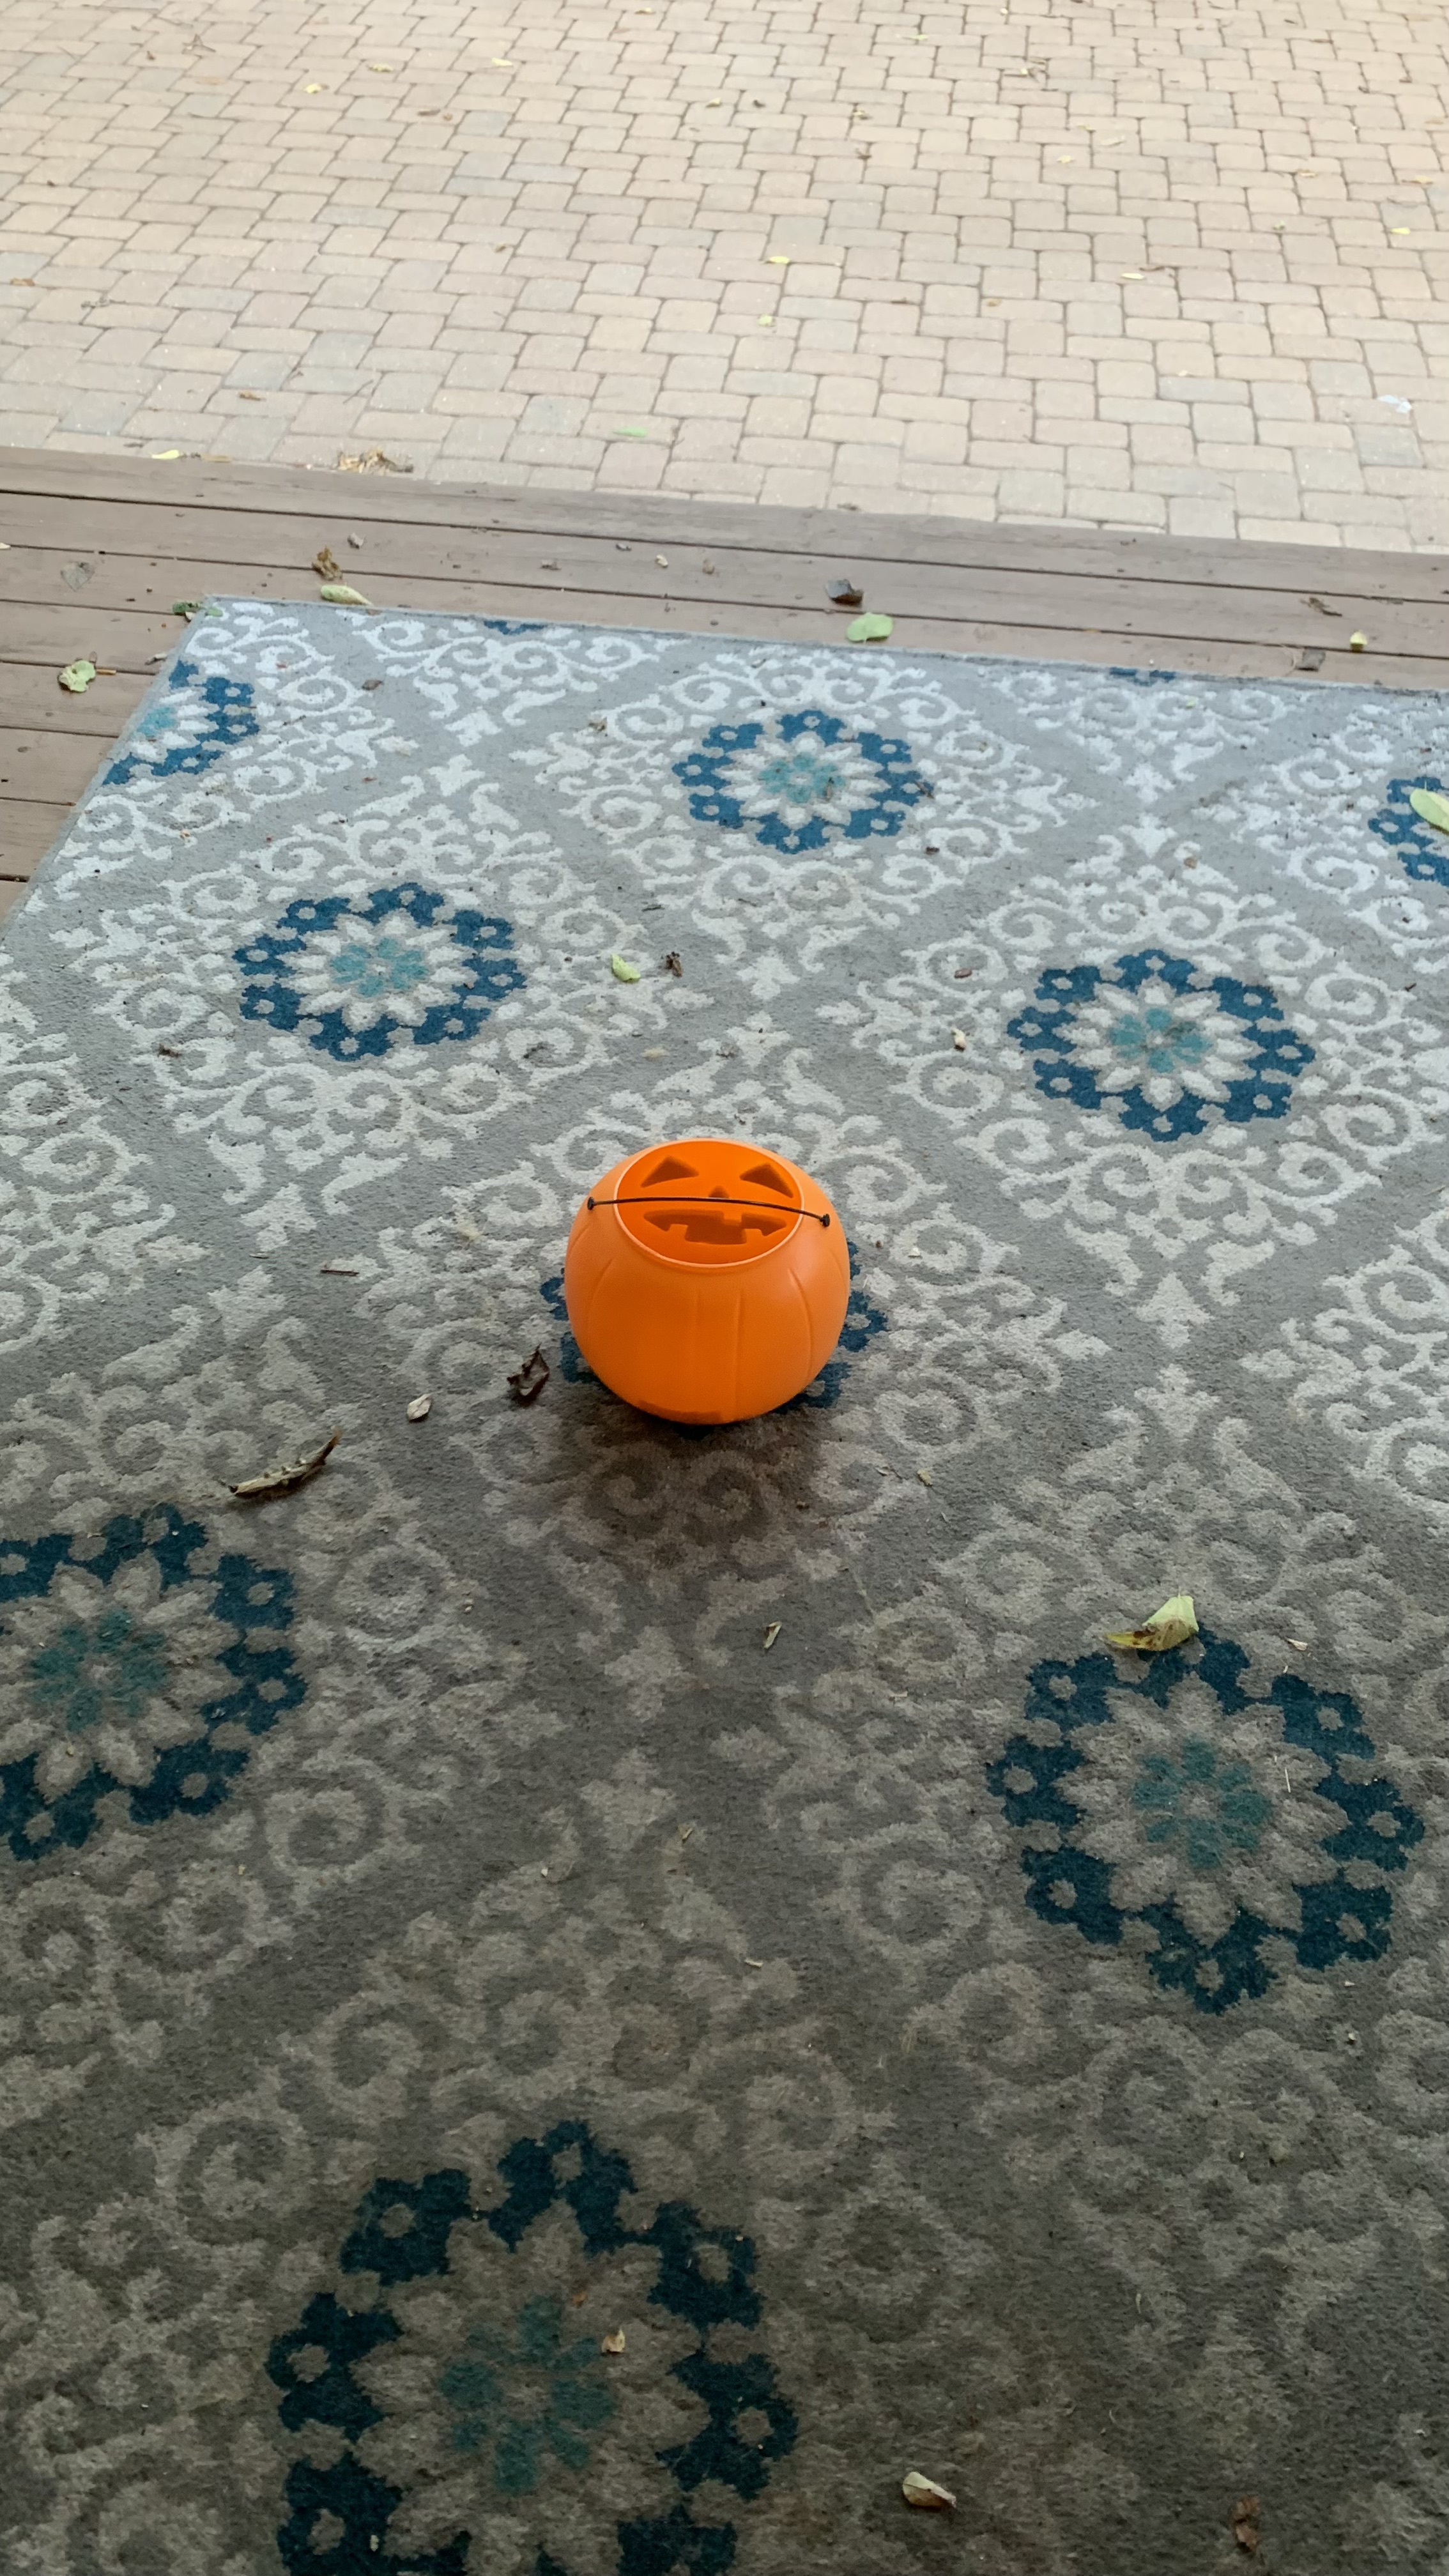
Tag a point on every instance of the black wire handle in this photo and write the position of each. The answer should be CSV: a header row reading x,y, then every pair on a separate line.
x,y
675,1198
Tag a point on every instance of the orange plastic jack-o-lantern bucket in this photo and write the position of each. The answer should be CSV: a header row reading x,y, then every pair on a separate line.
x,y
706,1280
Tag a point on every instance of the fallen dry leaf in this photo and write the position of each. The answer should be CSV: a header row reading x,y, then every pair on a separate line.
x,y
77,675
771,1633
249,397
1430,807
526,1385
342,595
76,575
372,684
1245,2525
958,1040
846,593
325,562
1170,1626
612,2342
925,2493
673,962
280,1480
420,1407
373,460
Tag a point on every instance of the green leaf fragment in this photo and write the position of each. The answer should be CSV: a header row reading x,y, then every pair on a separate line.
x,y
1430,808
342,595
1170,1626
621,969
870,629
77,675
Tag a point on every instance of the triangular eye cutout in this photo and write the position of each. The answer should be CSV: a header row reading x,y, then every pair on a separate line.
x,y
765,1176
671,1169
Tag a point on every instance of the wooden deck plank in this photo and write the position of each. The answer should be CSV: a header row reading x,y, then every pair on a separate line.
x,y
843,539
130,640
27,830
49,768
32,696
466,572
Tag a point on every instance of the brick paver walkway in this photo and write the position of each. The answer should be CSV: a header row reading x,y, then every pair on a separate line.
x,y
1164,263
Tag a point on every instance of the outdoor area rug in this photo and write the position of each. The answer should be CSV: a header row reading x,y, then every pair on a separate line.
x,y
509,2069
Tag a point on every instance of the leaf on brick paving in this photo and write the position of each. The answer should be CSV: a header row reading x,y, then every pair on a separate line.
x,y
325,562
77,676
373,460
1430,808
871,629
526,1384
342,595
1172,1625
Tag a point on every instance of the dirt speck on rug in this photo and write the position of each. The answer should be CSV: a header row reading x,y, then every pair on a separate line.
x,y
503,2076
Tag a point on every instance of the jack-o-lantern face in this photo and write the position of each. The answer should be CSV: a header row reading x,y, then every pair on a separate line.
x,y
710,1203
706,1280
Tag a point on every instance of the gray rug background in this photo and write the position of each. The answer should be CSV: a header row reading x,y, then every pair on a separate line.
x,y
547,1838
